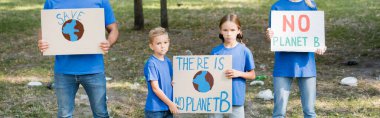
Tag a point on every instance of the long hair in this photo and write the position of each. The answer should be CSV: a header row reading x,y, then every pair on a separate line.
x,y
233,18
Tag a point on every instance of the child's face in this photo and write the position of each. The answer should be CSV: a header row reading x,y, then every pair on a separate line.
x,y
229,30
160,45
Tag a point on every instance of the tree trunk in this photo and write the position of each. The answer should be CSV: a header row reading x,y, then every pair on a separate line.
x,y
164,15
139,16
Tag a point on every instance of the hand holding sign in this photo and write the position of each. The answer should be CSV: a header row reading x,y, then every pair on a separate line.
x,y
269,33
321,51
231,73
43,45
105,45
173,108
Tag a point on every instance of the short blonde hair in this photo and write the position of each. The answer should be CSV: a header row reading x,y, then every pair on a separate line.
x,y
158,31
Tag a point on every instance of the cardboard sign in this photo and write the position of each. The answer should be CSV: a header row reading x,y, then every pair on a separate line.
x,y
297,31
200,85
73,31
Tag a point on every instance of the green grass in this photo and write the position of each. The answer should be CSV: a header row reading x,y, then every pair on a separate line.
x,y
352,30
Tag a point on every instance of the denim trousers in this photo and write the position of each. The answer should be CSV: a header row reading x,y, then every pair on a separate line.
x,y
237,112
158,114
66,86
282,88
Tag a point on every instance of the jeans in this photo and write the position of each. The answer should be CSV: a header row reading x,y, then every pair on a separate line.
x,y
237,112
282,87
66,86
158,114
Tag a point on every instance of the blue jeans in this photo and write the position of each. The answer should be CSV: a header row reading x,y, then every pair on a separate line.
x,y
158,114
237,112
282,87
66,86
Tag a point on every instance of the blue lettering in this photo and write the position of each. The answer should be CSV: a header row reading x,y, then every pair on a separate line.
x,y
189,101
275,39
179,62
180,102
221,63
190,62
216,99
205,63
208,104
80,14
60,20
223,100
63,17
316,42
73,14
199,63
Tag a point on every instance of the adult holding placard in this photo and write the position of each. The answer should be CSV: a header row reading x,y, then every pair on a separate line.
x,y
84,69
294,64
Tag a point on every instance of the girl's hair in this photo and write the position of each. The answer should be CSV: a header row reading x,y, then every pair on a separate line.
x,y
158,31
310,4
233,18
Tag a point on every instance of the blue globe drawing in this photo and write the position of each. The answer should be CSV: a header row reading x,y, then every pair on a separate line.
x,y
72,30
203,81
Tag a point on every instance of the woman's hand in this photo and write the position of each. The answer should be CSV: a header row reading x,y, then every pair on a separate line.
x,y
269,34
321,51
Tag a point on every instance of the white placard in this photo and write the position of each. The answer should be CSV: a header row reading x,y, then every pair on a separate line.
x,y
297,31
73,31
200,85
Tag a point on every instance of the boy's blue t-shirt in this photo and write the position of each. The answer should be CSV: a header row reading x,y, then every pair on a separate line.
x,y
85,63
293,64
242,60
161,71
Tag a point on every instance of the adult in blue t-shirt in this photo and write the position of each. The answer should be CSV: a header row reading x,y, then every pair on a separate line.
x,y
84,69
290,65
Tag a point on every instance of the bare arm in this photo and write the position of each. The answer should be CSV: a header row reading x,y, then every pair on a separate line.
x,y
250,75
113,34
113,31
160,94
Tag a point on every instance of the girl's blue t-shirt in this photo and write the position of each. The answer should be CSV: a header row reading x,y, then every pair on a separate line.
x,y
242,60
161,71
84,63
293,64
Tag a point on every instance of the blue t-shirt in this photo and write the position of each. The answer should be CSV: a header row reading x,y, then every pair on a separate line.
x,y
85,63
161,71
293,64
242,60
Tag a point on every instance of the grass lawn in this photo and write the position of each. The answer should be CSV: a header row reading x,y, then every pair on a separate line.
x,y
352,34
